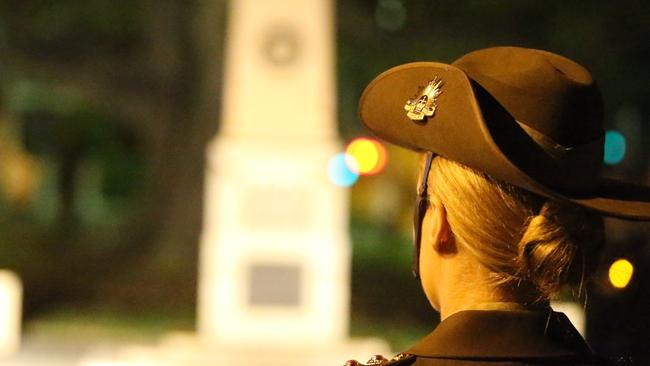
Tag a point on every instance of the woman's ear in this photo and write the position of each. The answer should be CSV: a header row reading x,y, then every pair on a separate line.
x,y
442,237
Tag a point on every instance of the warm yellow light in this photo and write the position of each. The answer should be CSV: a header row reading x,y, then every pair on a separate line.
x,y
620,273
369,155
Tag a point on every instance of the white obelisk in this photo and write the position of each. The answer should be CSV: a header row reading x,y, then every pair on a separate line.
x,y
274,267
275,251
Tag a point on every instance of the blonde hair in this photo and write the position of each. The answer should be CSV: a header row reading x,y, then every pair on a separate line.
x,y
523,239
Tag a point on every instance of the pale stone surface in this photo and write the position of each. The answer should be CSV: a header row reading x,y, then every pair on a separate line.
x,y
10,313
269,204
280,97
273,206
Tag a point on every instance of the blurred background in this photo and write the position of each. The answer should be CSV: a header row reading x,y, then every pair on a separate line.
x,y
106,108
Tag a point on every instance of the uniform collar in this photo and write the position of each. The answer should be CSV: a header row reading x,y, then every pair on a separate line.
x,y
475,334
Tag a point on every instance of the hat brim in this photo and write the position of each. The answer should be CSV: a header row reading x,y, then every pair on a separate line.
x,y
464,129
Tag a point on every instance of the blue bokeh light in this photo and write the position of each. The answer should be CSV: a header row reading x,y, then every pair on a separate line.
x,y
614,147
339,172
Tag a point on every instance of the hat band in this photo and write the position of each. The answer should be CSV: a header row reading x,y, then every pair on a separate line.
x,y
570,164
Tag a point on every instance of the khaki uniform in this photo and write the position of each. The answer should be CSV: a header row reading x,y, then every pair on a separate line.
x,y
495,338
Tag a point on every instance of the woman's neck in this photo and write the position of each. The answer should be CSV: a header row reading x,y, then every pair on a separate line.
x,y
469,287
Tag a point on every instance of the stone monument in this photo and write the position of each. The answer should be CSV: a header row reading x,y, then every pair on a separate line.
x,y
275,250
274,271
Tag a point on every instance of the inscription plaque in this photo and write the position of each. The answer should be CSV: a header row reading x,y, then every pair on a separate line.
x,y
275,285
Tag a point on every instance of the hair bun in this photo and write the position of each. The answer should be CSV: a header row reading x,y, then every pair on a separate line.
x,y
560,245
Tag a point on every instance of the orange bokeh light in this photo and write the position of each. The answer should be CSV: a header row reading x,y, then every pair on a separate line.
x,y
368,156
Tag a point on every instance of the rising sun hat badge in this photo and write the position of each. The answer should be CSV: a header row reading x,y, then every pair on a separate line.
x,y
424,104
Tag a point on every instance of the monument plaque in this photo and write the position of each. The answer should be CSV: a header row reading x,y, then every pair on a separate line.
x,y
275,285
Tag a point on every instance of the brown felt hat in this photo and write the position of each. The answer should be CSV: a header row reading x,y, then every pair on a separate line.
x,y
528,117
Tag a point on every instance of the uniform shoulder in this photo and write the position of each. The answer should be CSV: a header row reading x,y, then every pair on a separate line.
x,y
400,359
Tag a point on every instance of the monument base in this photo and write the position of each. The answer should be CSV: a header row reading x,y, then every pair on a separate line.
x,y
181,349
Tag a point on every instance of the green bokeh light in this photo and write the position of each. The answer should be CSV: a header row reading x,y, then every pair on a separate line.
x,y
614,147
